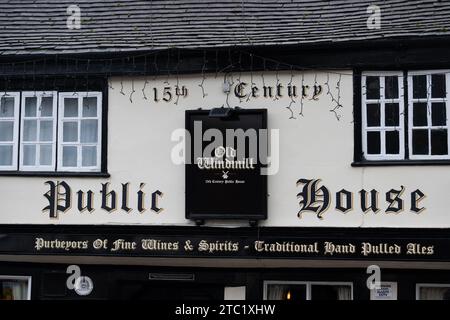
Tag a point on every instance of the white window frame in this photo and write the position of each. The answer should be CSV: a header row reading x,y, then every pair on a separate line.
x,y
15,141
28,278
428,100
429,285
62,119
308,285
382,128
39,95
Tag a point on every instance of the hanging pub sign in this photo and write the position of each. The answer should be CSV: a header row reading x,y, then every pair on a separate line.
x,y
225,159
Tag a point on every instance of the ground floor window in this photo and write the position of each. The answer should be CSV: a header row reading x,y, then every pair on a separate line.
x,y
15,288
297,290
433,292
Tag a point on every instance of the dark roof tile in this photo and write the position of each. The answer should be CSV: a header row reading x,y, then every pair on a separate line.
x,y
39,26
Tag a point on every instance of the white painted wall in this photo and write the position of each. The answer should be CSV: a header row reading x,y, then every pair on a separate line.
x,y
313,146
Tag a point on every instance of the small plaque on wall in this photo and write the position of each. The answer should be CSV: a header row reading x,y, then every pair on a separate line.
x,y
386,291
225,154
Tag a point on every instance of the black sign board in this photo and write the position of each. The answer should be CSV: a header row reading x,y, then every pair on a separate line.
x,y
244,243
224,158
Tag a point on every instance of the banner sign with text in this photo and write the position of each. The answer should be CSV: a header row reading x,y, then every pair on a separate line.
x,y
223,245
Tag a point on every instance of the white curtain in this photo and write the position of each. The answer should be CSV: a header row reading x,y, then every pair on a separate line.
x,y
6,130
434,293
29,155
90,107
15,290
29,130
46,130
45,154
20,291
70,131
344,293
276,292
46,106
69,156
89,129
30,106
70,107
6,107
89,155
6,155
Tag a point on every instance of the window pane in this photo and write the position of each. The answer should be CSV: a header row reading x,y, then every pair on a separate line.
x,y
29,155
46,130
89,155
439,144
419,86
6,130
296,292
69,156
47,107
70,131
12,289
391,112
373,142
434,293
330,292
6,107
391,87
438,114
45,155
89,130
373,87
438,86
420,114
420,141
392,142
90,107
30,106
6,153
70,107
29,130
373,115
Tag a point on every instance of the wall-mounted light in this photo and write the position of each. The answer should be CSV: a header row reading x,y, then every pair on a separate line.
x,y
220,112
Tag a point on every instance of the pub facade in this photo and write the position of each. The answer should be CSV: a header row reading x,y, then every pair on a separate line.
x,y
278,169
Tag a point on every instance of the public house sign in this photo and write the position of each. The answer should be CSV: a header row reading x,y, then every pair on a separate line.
x,y
223,172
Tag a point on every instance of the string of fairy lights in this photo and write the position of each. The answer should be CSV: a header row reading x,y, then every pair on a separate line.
x,y
79,69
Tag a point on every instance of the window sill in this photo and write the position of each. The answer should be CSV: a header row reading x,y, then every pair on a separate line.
x,y
54,174
381,163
